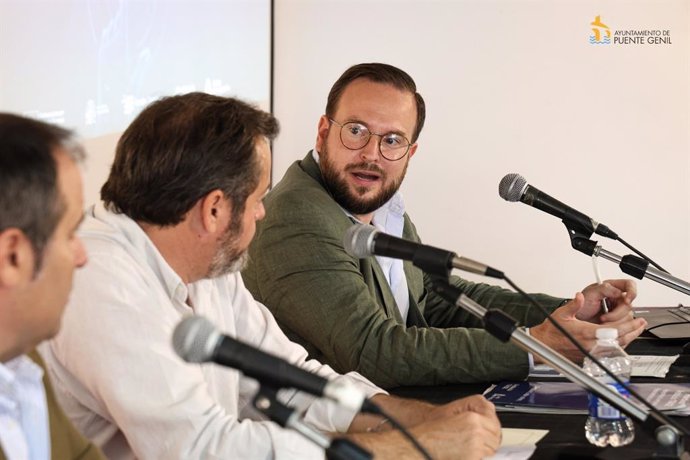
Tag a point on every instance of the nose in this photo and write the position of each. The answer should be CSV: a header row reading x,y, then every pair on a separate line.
x,y
80,257
370,152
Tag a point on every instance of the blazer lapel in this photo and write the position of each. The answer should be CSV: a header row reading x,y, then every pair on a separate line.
x,y
369,267
383,290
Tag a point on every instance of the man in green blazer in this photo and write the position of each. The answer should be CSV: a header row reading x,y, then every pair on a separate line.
x,y
378,316
40,209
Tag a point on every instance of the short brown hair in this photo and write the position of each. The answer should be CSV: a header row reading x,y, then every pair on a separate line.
x,y
179,149
378,73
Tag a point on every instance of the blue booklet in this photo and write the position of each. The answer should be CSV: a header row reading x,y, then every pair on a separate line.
x,y
570,398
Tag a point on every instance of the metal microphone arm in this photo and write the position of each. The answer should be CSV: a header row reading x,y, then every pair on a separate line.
x,y
505,329
639,268
630,264
266,401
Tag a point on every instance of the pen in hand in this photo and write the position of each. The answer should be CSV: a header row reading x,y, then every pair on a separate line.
x,y
604,304
597,275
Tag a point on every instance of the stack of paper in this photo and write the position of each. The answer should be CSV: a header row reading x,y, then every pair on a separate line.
x,y
570,398
643,366
518,443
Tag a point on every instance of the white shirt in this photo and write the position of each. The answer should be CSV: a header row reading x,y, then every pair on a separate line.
x,y
24,425
119,380
390,219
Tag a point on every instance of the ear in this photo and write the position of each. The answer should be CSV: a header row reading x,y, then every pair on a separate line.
x,y
413,149
215,212
17,258
322,132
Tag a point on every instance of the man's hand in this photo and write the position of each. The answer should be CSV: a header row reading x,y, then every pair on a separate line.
x,y
467,428
464,435
475,403
583,331
619,293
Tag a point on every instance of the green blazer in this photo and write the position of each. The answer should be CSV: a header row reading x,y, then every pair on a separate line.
x,y
343,311
65,441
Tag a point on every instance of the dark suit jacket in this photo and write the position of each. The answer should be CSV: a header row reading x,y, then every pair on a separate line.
x,y
343,311
65,441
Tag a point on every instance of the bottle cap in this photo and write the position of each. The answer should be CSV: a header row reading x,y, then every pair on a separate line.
x,y
607,333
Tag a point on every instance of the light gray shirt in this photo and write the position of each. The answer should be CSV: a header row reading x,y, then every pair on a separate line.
x,y
24,426
119,380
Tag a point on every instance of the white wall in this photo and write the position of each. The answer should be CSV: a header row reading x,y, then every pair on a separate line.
x,y
511,86
515,86
93,65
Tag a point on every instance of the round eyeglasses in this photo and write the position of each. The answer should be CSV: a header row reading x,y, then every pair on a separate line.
x,y
355,136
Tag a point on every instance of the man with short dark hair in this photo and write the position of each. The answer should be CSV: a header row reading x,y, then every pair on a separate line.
x,y
379,316
180,208
40,209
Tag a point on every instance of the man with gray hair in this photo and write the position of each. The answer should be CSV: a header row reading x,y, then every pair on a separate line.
x,y
40,210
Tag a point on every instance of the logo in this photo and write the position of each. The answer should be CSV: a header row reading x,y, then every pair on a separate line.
x,y
603,35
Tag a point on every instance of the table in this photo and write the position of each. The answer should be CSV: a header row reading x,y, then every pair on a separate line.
x,y
566,438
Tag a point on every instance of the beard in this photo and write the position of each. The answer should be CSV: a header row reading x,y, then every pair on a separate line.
x,y
353,202
229,258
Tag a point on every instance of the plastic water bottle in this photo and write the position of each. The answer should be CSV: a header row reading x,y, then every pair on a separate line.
x,y
606,425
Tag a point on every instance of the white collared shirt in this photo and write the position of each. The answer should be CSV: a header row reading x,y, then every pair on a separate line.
x,y
390,219
24,425
119,380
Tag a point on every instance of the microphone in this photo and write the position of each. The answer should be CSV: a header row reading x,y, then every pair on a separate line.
x,y
196,340
363,241
514,187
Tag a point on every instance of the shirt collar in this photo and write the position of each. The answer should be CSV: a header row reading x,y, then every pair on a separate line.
x,y
389,218
129,233
17,371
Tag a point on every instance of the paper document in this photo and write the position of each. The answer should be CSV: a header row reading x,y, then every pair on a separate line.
x,y
521,436
643,366
651,366
518,443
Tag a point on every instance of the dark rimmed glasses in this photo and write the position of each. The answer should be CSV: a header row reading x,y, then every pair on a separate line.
x,y
355,136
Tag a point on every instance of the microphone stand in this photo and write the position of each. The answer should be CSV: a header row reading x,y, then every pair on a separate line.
x,y
503,327
639,268
266,401
630,264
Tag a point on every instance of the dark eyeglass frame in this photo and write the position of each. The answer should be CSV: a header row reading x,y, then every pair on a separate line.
x,y
371,133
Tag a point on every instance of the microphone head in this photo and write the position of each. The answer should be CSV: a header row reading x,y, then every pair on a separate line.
x,y
512,187
195,339
359,240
